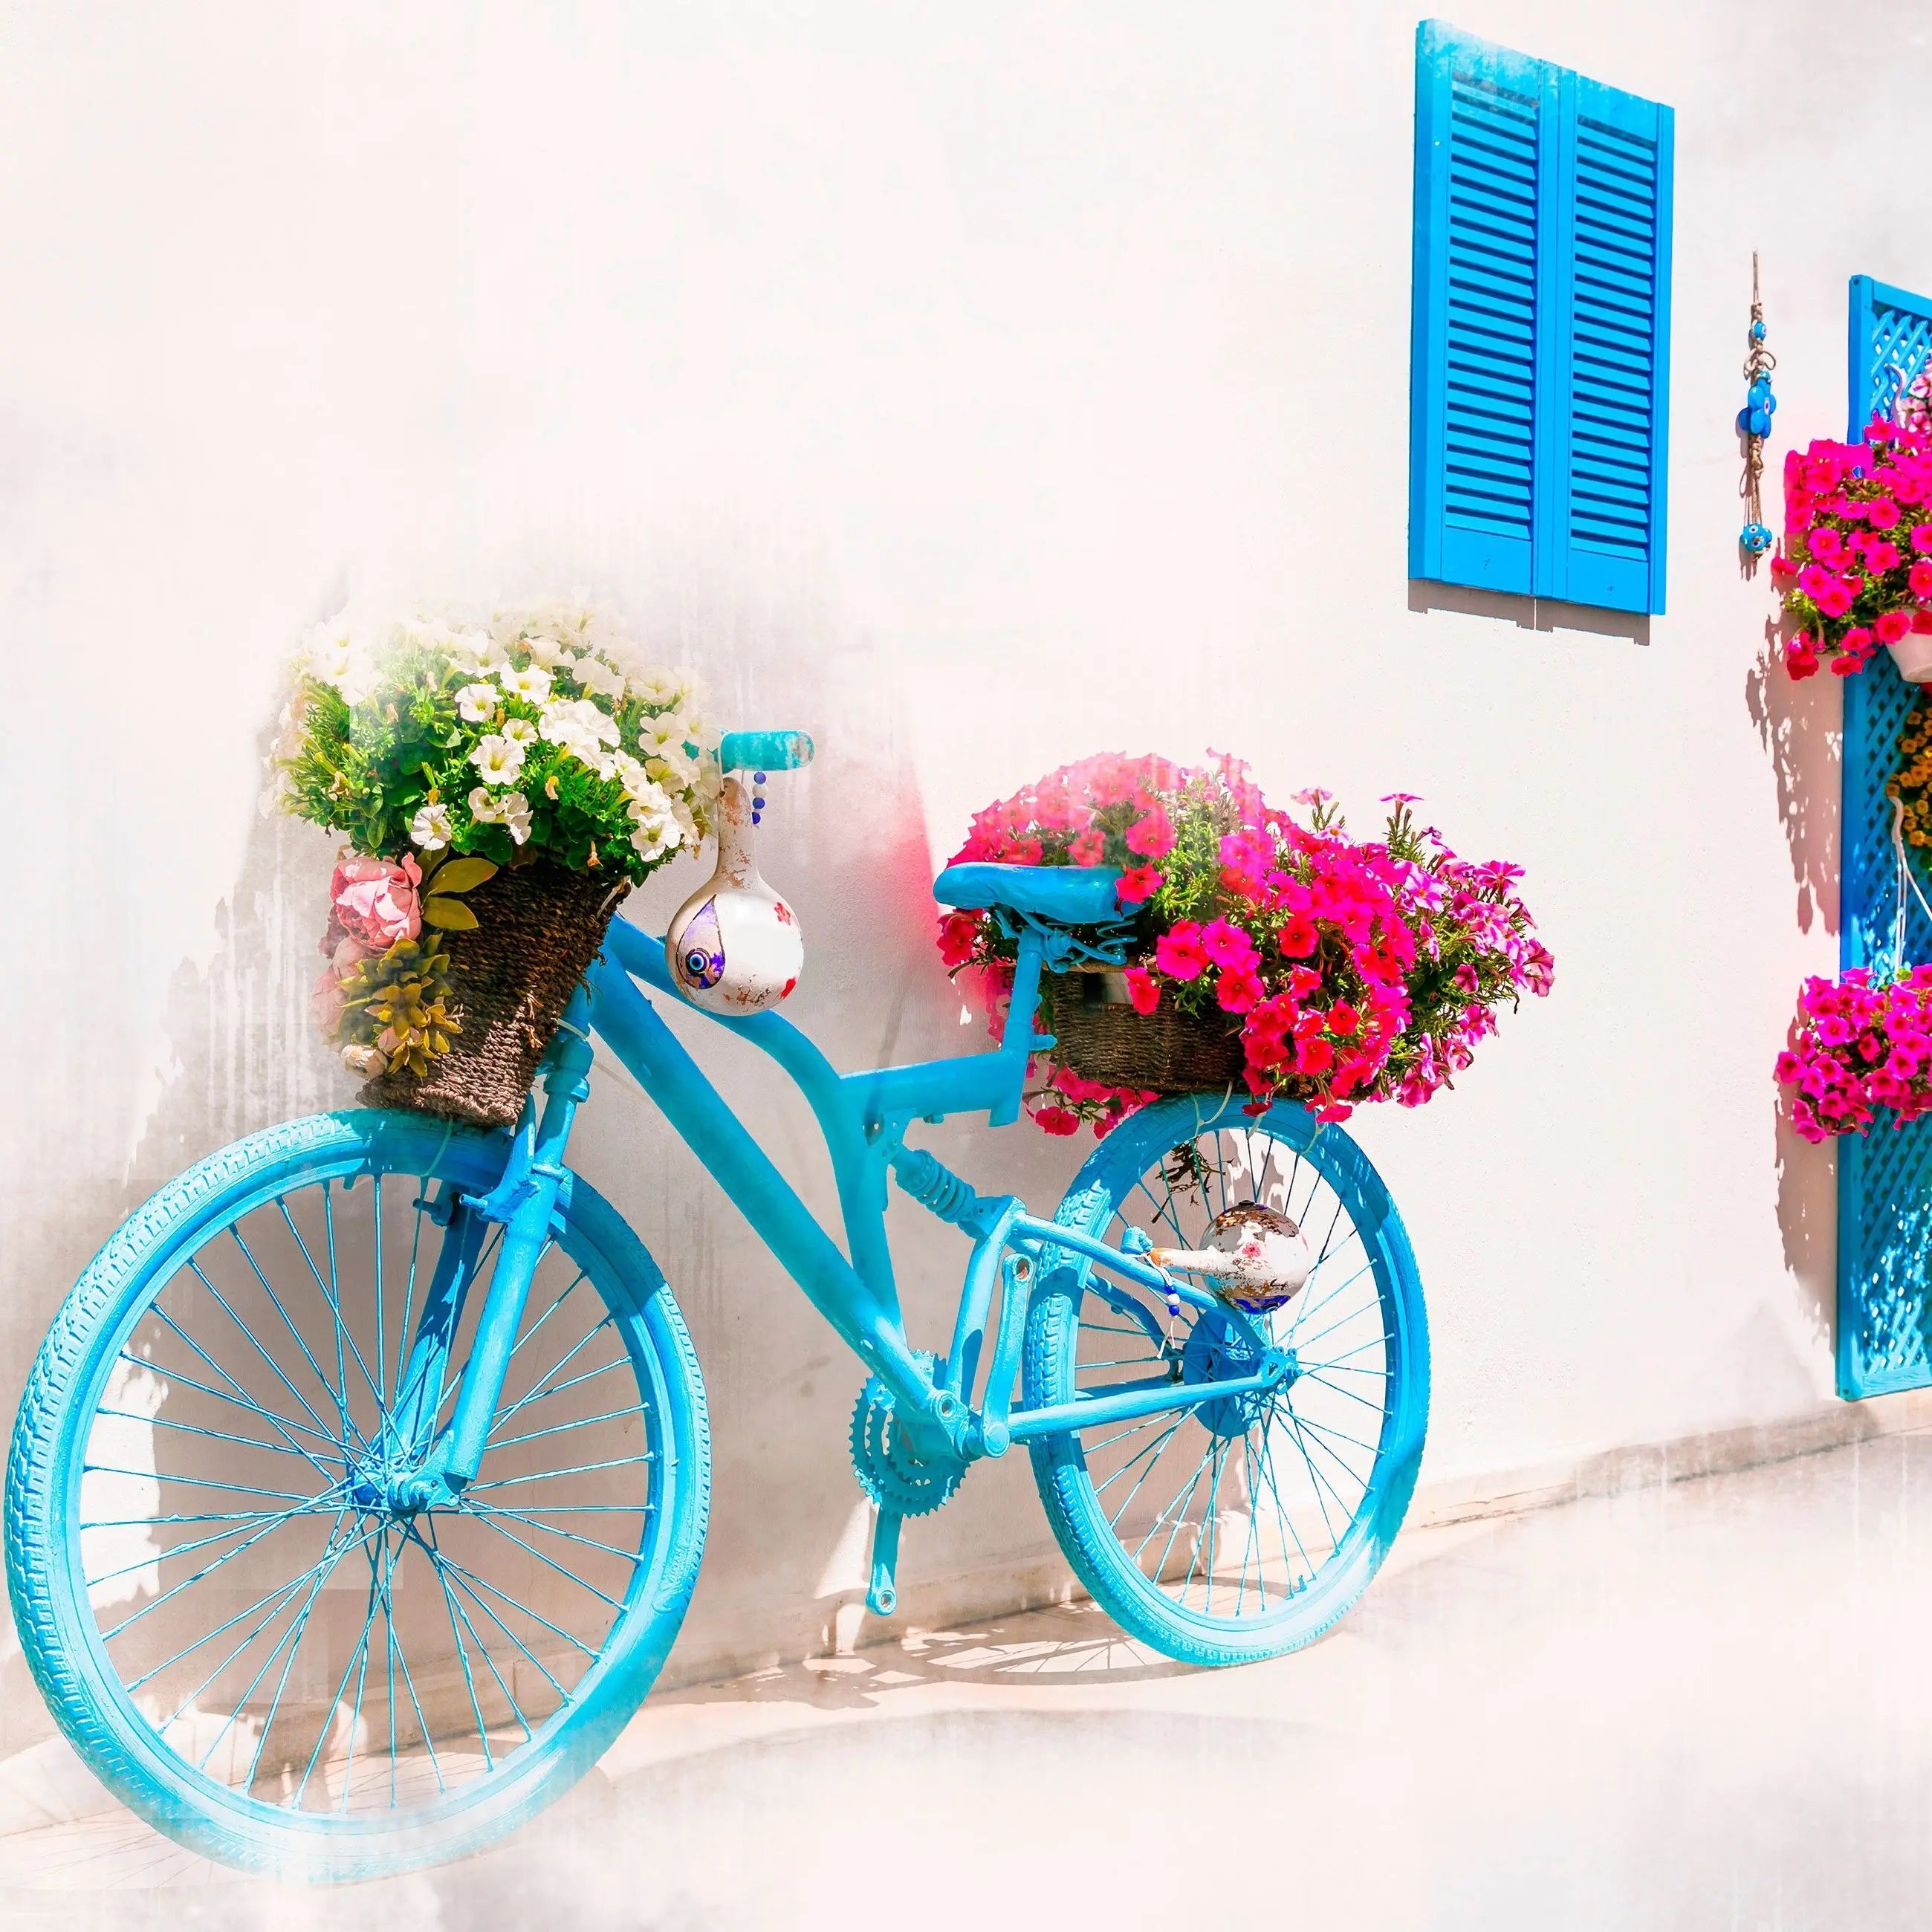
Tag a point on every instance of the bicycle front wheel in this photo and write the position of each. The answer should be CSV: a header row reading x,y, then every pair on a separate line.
x,y
249,1641
1246,1526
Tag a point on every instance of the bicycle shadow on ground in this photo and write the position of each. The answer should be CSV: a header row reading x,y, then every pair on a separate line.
x,y
1074,1644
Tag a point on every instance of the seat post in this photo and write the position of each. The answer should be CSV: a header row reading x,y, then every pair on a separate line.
x,y
1018,1042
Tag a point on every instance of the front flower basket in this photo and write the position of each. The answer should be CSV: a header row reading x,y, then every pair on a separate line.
x,y
1100,1036
538,927
503,780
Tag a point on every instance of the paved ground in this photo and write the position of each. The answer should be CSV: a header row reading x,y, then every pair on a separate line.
x,y
1707,1705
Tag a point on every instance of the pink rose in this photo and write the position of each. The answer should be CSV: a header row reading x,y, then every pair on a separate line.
x,y
376,901
325,1002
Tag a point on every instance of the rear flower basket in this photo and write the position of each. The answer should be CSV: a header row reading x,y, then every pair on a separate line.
x,y
1257,952
504,781
1100,1035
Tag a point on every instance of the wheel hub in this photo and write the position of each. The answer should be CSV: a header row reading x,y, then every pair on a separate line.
x,y
380,1486
1220,1349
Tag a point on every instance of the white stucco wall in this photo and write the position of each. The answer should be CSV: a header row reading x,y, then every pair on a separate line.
x,y
973,388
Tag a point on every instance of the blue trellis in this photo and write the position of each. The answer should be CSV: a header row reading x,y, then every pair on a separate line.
x,y
1885,1178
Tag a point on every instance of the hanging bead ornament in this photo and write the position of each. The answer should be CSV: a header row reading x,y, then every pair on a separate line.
x,y
1754,425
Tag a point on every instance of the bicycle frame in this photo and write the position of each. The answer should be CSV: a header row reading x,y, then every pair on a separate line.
x,y
862,1117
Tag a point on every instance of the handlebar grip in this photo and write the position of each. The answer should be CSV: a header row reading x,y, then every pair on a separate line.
x,y
763,751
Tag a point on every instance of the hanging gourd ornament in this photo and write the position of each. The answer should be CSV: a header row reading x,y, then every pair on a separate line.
x,y
734,945
1754,426
1256,1257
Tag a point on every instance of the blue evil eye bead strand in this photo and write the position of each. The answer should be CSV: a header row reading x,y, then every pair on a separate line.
x,y
758,797
1754,426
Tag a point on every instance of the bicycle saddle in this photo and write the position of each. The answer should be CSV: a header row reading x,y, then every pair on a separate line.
x,y
1063,894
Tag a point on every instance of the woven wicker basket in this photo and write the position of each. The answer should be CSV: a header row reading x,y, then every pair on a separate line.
x,y
1162,1052
538,928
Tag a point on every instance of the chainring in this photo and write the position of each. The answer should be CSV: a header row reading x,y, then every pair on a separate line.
x,y
889,1471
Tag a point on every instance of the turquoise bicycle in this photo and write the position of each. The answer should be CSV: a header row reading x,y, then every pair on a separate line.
x,y
359,1490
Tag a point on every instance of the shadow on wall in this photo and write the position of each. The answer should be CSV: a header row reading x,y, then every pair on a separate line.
x,y
847,844
241,1055
1797,725
1807,1221
1529,613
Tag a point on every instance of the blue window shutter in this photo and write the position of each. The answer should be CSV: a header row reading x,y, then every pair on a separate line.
x,y
1608,388
1539,390
1483,167
1885,1177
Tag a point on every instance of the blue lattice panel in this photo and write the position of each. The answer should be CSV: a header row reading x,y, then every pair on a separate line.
x,y
1885,1178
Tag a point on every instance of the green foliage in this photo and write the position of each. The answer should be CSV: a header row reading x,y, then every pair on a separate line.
x,y
533,737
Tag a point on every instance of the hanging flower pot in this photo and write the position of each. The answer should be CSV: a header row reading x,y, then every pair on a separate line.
x,y
1856,570
1912,654
504,781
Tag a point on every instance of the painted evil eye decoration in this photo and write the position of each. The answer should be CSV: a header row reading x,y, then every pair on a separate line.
x,y
1757,539
701,952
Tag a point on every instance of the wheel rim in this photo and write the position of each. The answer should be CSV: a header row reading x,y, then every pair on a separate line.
x,y
1238,1512
273,1627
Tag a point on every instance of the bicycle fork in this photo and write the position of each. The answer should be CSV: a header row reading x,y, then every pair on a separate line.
x,y
421,1465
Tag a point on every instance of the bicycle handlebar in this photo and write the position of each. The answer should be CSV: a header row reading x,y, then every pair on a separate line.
x,y
764,751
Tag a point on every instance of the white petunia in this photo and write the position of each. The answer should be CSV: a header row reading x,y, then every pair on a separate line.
x,y
486,806
595,676
700,730
476,702
517,817
520,731
532,684
546,651
582,730
667,729
656,835
512,808
654,685
647,801
429,830
497,760
672,769
469,650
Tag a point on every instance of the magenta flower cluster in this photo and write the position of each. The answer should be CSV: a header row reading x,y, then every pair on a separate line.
x,y
1354,970
1856,570
1857,1046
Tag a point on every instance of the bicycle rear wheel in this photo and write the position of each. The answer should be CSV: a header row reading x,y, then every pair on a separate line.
x,y
1244,1527
250,1644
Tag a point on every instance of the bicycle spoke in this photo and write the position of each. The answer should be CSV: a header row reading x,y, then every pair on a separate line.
x,y
213,1435
540,1389
468,1585
329,1560
630,1556
175,1378
274,1421
560,1428
548,1562
308,1354
550,1475
343,1332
